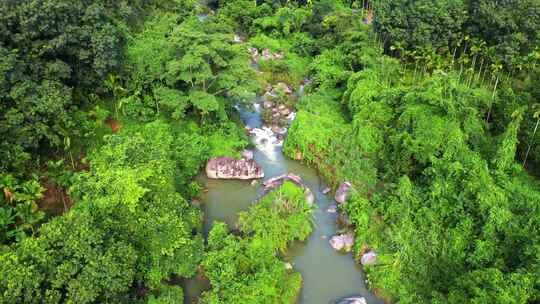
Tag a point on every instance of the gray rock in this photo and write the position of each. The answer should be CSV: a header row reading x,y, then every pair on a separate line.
x,y
277,181
352,300
332,209
310,198
267,104
369,258
342,192
342,242
326,190
230,168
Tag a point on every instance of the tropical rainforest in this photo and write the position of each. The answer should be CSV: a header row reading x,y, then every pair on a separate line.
x,y
110,109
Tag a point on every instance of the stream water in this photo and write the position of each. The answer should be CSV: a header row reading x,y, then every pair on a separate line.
x,y
327,274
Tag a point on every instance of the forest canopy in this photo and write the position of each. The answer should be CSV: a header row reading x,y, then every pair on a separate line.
x,y
110,109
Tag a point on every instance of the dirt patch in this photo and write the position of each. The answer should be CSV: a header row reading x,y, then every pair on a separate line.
x,y
114,125
55,200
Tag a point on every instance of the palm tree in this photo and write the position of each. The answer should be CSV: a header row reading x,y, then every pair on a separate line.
x,y
531,141
495,69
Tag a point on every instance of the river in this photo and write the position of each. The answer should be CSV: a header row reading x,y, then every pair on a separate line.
x,y
327,275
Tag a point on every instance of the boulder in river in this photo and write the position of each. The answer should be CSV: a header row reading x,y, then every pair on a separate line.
x,y
342,192
332,209
342,242
230,168
326,190
369,258
277,181
352,300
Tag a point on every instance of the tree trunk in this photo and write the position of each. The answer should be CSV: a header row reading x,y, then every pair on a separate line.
x,y
531,142
492,98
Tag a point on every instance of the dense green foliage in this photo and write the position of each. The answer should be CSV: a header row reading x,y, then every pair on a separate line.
x,y
129,229
431,154
180,66
503,31
246,269
53,53
108,109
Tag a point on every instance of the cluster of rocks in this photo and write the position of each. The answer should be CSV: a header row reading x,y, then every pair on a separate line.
x,y
230,168
342,242
345,241
277,181
275,113
266,54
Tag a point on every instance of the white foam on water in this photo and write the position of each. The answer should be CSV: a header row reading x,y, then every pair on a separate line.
x,y
266,141
257,107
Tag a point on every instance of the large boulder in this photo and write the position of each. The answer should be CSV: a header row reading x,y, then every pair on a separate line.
x,y
277,181
342,242
230,168
342,192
